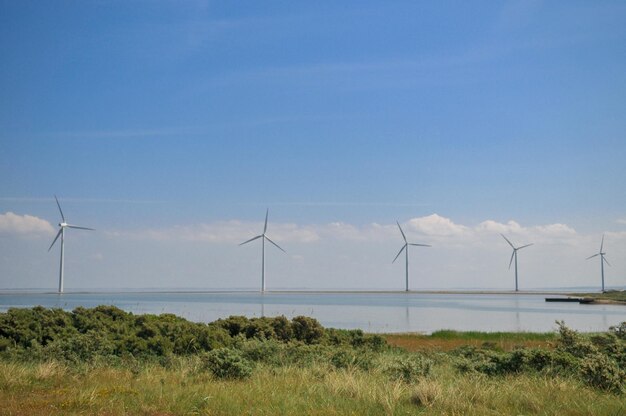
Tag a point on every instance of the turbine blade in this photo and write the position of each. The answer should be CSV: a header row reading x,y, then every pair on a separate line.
x,y
267,213
403,236
507,240
252,239
511,262
80,228
60,210
602,243
399,252
606,261
527,245
279,247
55,238
420,245
590,257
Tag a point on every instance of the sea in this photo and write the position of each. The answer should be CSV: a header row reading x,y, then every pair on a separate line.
x,y
376,312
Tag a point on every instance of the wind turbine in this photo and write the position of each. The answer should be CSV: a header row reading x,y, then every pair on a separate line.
x,y
514,254
602,261
263,237
62,226
405,247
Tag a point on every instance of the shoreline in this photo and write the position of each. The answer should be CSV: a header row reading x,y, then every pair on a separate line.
x,y
313,292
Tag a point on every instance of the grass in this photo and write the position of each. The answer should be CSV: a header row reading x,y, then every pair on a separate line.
x,y
54,389
447,340
612,295
104,361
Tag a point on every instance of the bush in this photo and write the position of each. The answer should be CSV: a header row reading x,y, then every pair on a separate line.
x,y
349,358
601,372
23,327
517,361
80,348
264,351
342,359
305,355
282,328
408,368
570,341
307,329
226,363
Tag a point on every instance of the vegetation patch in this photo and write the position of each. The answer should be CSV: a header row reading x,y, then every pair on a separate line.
x,y
613,296
109,362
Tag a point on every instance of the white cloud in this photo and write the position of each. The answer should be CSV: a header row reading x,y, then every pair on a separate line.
x,y
11,223
432,227
543,232
555,230
622,221
497,227
436,225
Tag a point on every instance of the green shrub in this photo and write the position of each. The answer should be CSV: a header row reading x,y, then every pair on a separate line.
x,y
351,358
264,351
5,344
80,348
570,341
22,327
307,330
282,329
260,328
517,361
235,325
278,328
227,363
305,355
408,368
600,371
342,358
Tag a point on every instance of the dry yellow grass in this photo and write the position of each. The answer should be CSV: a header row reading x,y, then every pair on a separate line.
x,y
52,389
425,343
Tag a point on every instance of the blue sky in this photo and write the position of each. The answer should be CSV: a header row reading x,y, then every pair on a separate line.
x,y
154,119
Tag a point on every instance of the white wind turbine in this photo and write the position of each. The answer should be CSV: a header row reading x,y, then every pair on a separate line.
x,y
602,260
263,237
514,254
405,247
62,226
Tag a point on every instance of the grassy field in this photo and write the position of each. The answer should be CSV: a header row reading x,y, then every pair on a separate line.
x,y
51,388
104,361
447,340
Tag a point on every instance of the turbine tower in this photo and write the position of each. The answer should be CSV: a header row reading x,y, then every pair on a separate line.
x,y
263,237
514,254
405,247
602,261
62,226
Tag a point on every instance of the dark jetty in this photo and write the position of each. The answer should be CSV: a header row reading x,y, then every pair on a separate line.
x,y
570,299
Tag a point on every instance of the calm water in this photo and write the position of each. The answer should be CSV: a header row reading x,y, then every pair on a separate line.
x,y
373,312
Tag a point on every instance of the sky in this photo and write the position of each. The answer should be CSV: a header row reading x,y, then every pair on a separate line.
x,y
170,127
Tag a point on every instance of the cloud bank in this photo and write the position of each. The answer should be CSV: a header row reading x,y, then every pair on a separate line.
x,y
27,225
430,228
